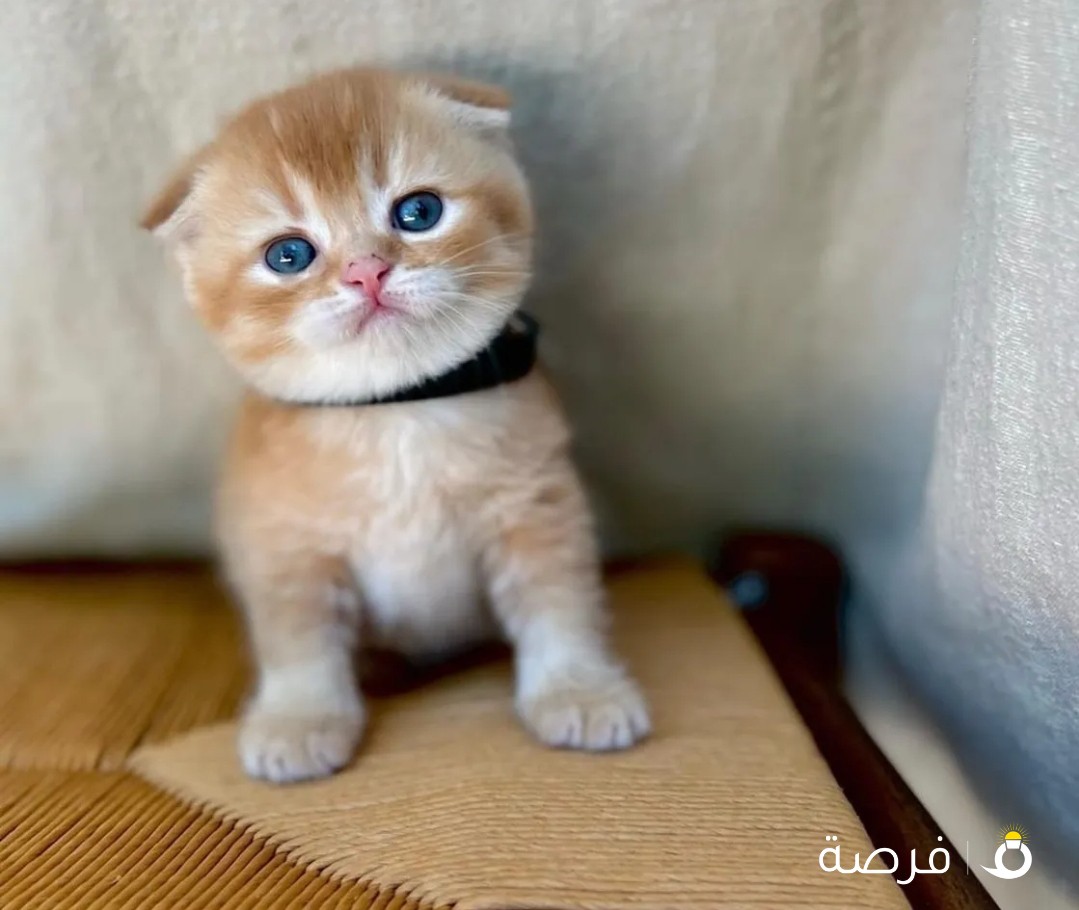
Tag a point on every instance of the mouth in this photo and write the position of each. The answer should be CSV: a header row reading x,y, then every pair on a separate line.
x,y
373,312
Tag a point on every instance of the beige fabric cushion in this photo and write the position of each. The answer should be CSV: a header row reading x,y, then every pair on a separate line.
x,y
726,806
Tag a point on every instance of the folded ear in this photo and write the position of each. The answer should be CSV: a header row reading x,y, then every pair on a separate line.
x,y
475,104
172,214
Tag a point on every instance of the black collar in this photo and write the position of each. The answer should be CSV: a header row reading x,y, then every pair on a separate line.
x,y
509,357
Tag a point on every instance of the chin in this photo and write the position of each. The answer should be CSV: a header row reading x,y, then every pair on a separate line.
x,y
388,351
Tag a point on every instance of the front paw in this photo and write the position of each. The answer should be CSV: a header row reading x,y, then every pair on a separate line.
x,y
283,747
602,716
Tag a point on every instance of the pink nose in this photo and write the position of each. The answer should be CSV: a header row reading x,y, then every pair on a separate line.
x,y
367,272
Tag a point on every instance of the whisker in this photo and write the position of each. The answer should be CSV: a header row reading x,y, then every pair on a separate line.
x,y
481,245
474,300
457,317
491,273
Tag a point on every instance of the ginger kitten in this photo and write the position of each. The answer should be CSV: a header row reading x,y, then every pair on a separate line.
x,y
345,240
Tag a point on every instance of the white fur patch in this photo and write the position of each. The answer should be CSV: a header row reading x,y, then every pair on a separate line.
x,y
313,218
324,681
482,118
324,321
182,225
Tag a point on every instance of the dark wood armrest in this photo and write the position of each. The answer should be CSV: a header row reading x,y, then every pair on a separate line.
x,y
791,589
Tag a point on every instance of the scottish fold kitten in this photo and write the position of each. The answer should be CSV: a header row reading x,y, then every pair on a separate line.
x,y
344,240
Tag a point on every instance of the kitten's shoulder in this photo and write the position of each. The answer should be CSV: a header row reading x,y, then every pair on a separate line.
x,y
260,418
271,436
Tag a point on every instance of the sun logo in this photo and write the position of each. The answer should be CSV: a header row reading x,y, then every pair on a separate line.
x,y
1012,837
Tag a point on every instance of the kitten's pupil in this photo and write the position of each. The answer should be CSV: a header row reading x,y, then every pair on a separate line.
x,y
417,212
289,255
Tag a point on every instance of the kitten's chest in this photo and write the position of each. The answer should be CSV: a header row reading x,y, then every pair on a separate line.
x,y
418,573
413,462
412,542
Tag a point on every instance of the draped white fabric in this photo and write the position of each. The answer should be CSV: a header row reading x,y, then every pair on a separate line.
x,y
982,607
749,220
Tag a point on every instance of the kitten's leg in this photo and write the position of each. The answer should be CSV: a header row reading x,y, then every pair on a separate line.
x,y
546,590
307,716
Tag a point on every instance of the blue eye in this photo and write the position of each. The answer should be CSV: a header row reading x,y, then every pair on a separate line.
x,y
417,212
290,255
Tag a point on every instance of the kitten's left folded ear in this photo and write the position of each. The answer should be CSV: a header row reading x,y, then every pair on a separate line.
x,y
475,104
171,214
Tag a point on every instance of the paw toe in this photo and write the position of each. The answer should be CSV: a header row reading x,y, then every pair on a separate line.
x,y
284,748
599,719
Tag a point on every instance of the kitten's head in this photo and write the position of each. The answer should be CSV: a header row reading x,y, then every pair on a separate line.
x,y
355,234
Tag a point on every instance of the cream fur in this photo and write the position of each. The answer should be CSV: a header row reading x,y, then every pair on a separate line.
x,y
455,521
421,528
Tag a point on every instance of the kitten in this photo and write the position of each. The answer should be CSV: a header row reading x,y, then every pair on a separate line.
x,y
342,240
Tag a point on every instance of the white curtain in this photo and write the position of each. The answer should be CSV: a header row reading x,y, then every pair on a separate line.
x,y
748,213
982,607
